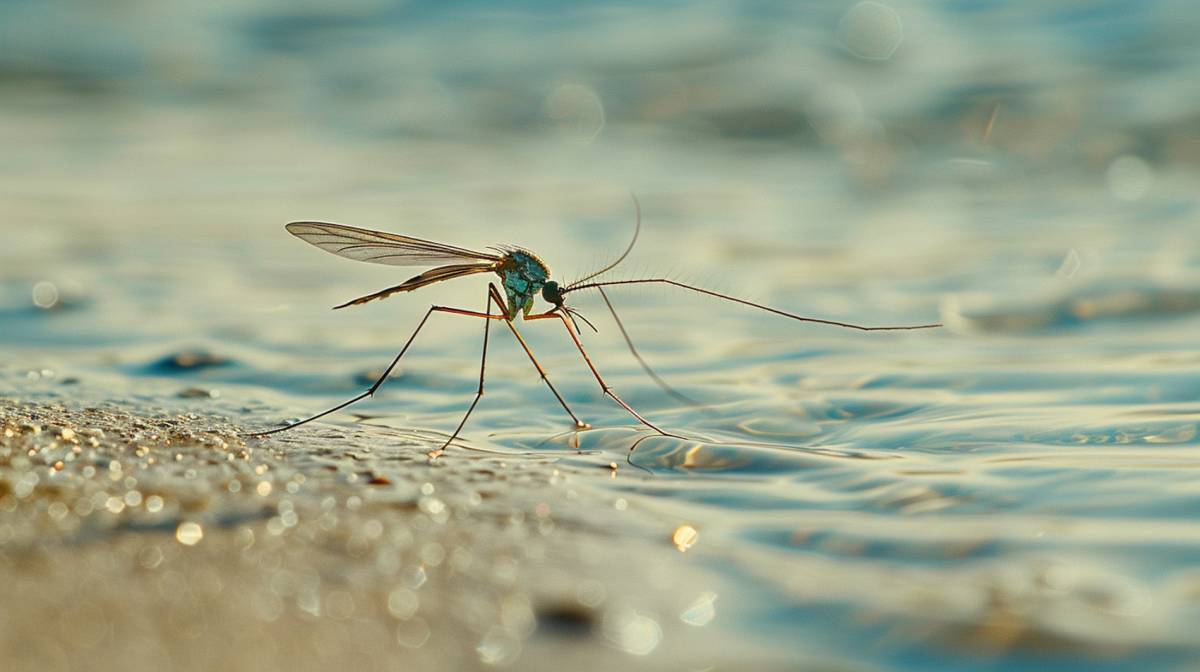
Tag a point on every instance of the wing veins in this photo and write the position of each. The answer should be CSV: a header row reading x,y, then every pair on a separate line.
x,y
359,244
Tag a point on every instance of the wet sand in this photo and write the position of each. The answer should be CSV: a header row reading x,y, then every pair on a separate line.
x,y
131,543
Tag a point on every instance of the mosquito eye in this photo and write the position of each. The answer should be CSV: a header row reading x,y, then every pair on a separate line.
x,y
551,293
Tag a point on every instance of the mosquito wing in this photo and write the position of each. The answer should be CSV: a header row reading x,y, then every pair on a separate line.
x,y
378,247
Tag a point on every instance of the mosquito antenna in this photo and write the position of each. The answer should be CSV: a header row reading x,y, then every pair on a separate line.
x,y
744,302
637,228
636,355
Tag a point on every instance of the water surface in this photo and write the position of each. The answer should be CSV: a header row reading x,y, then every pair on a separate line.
x,y
1015,490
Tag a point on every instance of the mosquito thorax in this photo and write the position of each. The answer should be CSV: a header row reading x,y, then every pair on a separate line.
x,y
551,293
523,276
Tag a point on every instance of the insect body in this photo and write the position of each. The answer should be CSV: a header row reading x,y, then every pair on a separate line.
x,y
523,276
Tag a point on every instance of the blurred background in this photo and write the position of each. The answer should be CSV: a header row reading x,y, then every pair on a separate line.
x,y
1016,489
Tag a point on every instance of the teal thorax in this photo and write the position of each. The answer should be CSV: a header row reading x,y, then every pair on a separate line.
x,y
523,275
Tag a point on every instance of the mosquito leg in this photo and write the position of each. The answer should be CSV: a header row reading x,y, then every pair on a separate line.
x,y
600,379
478,393
579,424
386,372
638,356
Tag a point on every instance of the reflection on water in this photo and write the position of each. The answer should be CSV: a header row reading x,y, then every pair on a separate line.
x,y
1019,485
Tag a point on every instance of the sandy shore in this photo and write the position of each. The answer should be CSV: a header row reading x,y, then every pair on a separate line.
x,y
169,542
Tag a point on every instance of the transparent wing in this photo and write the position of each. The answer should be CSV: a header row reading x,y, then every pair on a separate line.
x,y
378,247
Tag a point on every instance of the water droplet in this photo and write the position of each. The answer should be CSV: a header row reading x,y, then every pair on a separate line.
x,y
309,602
58,510
150,557
702,611
412,633
268,606
418,577
632,631
498,647
871,30
25,484
45,295
402,603
577,111
431,505
432,554
516,614
1070,265
685,537
189,533
372,529
590,593
1129,177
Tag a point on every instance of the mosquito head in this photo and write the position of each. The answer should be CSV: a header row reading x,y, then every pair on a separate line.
x,y
551,293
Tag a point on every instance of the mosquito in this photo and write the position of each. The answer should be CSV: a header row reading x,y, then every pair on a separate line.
x,y
523,276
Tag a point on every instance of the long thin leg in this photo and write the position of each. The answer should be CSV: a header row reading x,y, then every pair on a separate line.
x,y
600,379
387,371
478,393
638,356
579,424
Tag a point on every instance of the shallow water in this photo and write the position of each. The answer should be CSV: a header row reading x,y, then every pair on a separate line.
x,y
1015,490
